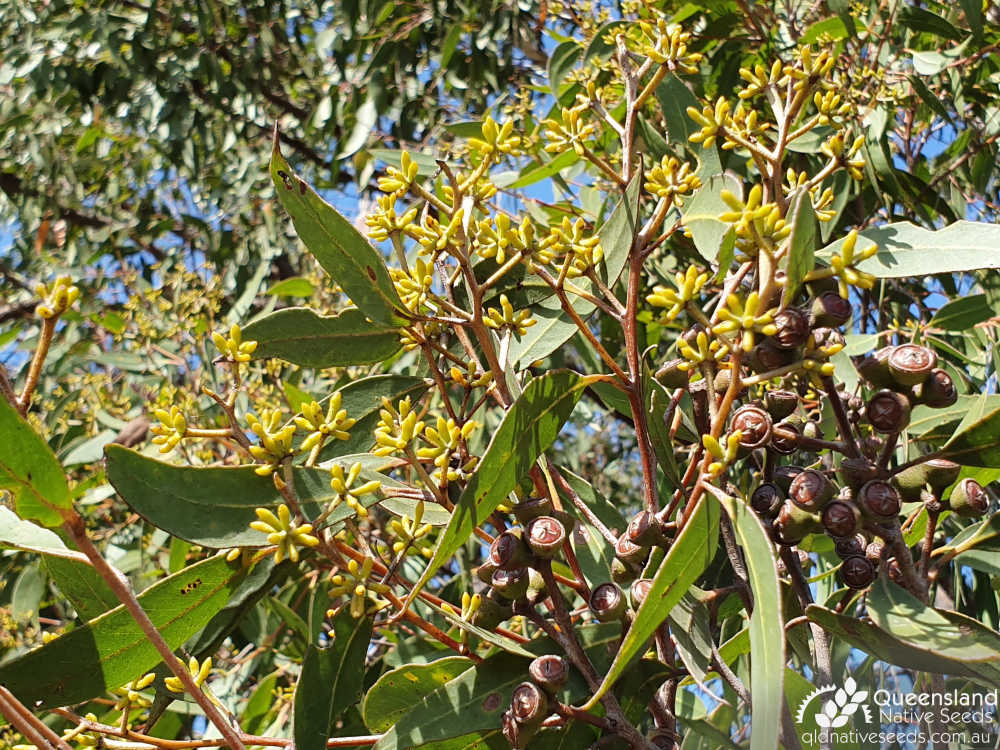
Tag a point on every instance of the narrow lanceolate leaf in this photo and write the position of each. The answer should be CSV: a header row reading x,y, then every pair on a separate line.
x,y
976,440
687,558
554,326
801,243
111,649
909,250
767,655
398,690
331,681
342,251
529,427
304,337
963,313
30,472
89,594
16,533
213,506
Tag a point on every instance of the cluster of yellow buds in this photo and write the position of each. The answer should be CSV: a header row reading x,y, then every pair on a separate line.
x,y
582,251
284,532
169,432
233,348
723,455
56,299
354,583
712,120
437,237
496,140
410,339
689,284
834,147
129,698
385,222
518,321
665,43
571,130
704,350
199,672
414,287
397,427
345,490
810,68
759,78
275,440
843,265
471,377
745,316
443,440
757,224
409,531
398,181
744,126
830,107
470,605
822,201
672,180
498,238
336,424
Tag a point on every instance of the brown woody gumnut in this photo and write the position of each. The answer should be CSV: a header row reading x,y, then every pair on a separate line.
x,y
793,328
529,705
623,573
639,590
781,444
854,472
754,425
875,368
857,572
629,552
784,476
485,572
888,412
874,550
879,500
895,571
824,337
549,672
841,518
607,602
537,591
671,376
850,546
969,499
793,524
811,491
830,309
644,529
910,364
937,472
509,551
533,507
766,357
767,499
546,536
517,735
938,391
512,584
780,404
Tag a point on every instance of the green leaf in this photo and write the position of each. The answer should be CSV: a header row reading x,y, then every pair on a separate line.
x,y
801,243
343,252
494,639
963,313
767,654
426,163
922,20
16,533
701,214
303,337
365,119
89,594
331,681
554,326
529,427
398,690
675,97
111,649
563,58
976,440
213,506
297,286
909,250
688,556
542,171
31,473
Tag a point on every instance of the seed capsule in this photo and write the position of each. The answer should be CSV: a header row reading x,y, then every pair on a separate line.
x,y
793,328
670,376
830,309
767,499
938,391
754,425
937,472
485,572
639,590
969,499
529,705
785,475
854,472
546,536
531,508
851,546
811,491
623,573
493,610
874,551
644,529
895,571
841,519
879,500
857,572
793,524
910,364
629,552
537,590
517,735
509,551
784,446
766,357
512,584
607,602
780,404
549,672
888,412
875,368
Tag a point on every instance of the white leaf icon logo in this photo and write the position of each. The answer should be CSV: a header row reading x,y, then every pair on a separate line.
x,y
850,685
841,697
822,721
